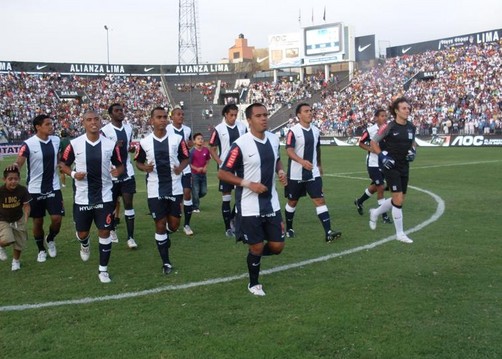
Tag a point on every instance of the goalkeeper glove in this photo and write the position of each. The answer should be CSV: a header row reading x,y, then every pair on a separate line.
x,y
412,153
386,161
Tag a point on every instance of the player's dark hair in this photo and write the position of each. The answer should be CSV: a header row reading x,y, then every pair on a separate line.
x,y
160,108
37,121
395,105
228,108
249,109
110,109
379,111
299,107
11,169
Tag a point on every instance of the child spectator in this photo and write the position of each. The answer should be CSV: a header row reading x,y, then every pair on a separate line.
x,y
199,157
14,212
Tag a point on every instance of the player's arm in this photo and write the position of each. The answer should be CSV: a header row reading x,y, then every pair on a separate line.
x,y
318,150
363,141
118,166
65,164
183,157
140,159
26,207
279,168
290,150
21,157
226,173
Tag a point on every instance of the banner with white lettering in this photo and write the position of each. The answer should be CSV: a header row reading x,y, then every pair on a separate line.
x,y
441,44
114,69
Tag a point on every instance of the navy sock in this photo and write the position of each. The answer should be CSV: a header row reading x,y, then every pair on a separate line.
x,y
130,226
40,243
325,221
105,250
226,213
253,268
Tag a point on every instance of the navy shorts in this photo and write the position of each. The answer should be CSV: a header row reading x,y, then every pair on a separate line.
x,y
101,214
225,187
51,202
186,181
166,206
127,186
296,189
257,229
376,176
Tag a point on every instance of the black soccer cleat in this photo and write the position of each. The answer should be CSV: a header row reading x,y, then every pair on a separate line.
x,y
167,268
386,219
290,233
333,235
359,207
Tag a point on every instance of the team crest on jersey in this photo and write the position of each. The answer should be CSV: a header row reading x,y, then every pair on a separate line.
x,y
410,135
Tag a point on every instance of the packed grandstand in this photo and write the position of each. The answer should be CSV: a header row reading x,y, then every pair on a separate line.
x,y
455,90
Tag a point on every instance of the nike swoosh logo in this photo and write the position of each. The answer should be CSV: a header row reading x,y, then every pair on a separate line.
x,y
107,225
79,153
255,264
35,151
148,69
404,51
395,133
41,67
260,60
251,155
361,49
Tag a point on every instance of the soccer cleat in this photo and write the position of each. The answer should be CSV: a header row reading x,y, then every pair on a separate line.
x,y
196,210
167,268
386,219
290,233
85,253
403,238
115,238
42,256
230,233
256,290
131,243
16,265
3,254
188,230
104,277
373,219
333,235
51,248
359,207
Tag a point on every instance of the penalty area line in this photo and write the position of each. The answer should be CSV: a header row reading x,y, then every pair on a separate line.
x,y
437,214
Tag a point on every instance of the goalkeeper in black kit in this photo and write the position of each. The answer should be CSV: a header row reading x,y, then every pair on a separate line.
x,y
398,140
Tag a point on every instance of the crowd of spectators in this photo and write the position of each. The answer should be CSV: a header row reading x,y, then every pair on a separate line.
x,y
25,96
460,95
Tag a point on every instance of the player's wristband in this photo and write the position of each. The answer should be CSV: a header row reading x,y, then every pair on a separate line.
x,y
73,173
245,183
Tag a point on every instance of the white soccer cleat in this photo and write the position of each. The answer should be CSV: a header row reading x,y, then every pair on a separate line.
x,y
104,277
51,248
131,243
373,219
85,252
256,290
404,238
3,254
42,256
16,265
115,238
188,230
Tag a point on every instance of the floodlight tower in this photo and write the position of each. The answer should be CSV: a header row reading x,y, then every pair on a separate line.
x,y
188,36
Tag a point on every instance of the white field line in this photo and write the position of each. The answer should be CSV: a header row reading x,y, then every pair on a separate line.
x,y
437,214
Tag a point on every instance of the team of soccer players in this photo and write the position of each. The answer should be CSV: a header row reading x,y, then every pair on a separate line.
x,y
248,162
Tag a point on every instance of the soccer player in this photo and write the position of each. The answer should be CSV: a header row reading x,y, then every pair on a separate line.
x,y
41,151
199,158
178,128
97,160
14,211
303,147
125,185
224,134
163,157
64,141
251,165
398,139
376,176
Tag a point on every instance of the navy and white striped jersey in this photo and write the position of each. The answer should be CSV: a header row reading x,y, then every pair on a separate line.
x,y
255,160
96,159
122,137
368,134
165,154
223,136
42,161
307,144
186,133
